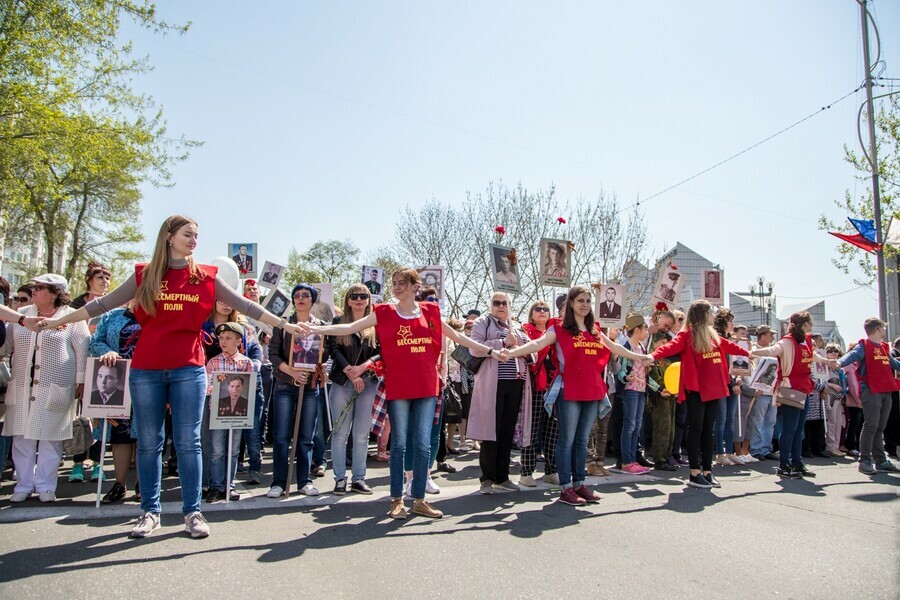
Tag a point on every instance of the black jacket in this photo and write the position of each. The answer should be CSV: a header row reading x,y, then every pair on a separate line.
x,y
356,353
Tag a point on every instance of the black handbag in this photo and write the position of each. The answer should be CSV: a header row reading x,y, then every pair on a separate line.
x,y
452,405
462,355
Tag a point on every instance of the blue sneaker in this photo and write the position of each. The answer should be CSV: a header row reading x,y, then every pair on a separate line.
x,y
77,474
866,467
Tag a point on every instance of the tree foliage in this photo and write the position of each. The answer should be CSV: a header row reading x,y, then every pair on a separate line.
x,y
325,261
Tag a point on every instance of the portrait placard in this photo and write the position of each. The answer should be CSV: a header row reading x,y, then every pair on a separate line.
x,y
244,256
324,307
106,393
306,352
232,400
373,279
740,365
271,275
556,268
504,269
668,286
433,276
764,375
712,283
608,300
277,303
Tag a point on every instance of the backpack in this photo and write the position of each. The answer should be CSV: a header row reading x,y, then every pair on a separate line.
x,y
82,438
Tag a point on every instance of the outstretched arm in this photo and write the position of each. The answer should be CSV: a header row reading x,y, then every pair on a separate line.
x,y
534,345
369,320
620,350
471,344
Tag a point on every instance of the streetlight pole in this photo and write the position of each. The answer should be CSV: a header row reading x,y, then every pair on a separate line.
x,y
873,160
763,293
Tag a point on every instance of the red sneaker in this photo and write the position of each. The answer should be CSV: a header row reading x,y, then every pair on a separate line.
x,y
589,495
568,496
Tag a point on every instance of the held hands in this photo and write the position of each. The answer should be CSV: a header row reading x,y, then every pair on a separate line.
x,y
301,329
647,360
503,355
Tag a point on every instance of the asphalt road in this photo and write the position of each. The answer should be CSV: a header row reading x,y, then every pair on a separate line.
x,y
837,536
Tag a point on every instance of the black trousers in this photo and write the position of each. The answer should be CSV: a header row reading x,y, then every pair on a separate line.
x,y
854,427
680,422
814,438
494,456
700,433
615,428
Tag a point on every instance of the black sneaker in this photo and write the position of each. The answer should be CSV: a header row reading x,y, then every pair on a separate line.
x,y
360,487
116,494
340,487
771,456
215,495
787,472
699,481
446,467
712,480
760,457
803,471
664,466
644,461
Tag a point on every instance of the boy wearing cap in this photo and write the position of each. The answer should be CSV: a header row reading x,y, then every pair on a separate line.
x,y
230,336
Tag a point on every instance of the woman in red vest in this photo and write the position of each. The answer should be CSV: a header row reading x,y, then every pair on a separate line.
x,y
174,297
411,337
703,383
582,352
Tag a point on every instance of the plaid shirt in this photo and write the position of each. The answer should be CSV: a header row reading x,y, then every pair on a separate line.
x,y
222,362
380,411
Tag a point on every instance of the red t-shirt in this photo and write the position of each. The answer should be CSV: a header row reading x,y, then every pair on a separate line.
x,y
705,373
171,338
410,350
584,358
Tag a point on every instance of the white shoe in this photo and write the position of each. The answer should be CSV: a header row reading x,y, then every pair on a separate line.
x,y
276,491
749,459
146,524
431,487
527,481
733,458
722,459
309,490
20,497
47,497
196,525
552,478
738,459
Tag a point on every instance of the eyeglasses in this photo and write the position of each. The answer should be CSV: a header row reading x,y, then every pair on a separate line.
x,y
300,295
21,298
358,296
545,309
498,303
431,299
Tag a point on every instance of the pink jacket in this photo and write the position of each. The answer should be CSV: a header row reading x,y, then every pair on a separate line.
x,y
852,386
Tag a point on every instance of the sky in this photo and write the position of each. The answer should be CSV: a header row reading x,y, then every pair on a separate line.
x,y
324,120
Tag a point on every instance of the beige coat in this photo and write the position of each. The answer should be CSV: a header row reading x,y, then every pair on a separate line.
x,y
43,408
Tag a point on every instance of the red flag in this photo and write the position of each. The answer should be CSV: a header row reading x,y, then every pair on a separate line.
x,y
858,240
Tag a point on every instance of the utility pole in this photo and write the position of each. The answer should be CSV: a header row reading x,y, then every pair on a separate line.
x,y
873,161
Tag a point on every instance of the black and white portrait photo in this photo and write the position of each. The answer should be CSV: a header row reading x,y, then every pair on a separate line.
x,y
711,281
556,270
232,400
271,275
106,393
504,269
608,299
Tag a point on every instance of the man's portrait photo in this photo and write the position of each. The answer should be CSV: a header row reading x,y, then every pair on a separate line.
x,y
505,272
609,308
433,276
243,256
306,352
109,386
668,286
373,279
233,401
608,299
555,268
276,303
712,286
106,393
271,275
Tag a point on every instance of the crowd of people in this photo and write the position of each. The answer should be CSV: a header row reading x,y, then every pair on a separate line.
x,y
559,388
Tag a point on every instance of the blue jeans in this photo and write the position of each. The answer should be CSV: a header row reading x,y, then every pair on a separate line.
x,y
575,422
725,425
359,420
761,425
284,402
412,418
253,437
184,389
219,443
790,444
632,418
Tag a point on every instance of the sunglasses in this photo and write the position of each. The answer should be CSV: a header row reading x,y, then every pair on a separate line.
x,y
302,295
498,303
21,298
358,296
431,299
545,309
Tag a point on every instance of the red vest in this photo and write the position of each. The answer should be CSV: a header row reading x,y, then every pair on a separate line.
x,y
879,376
585,358
410,350
171,339
801,371
538,369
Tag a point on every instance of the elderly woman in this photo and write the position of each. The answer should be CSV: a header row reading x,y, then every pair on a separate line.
x,y
500,389
47,375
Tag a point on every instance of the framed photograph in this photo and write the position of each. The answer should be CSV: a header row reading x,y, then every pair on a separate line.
x,y
668,286
324,306
306,352
504,269
764,375
106,393
373,279
712,283
433,276
277,303
740,365
232,400
608,299
244,256
271,275
819,371
556,267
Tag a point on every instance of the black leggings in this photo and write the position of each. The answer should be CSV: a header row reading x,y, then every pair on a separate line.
x,y
700,435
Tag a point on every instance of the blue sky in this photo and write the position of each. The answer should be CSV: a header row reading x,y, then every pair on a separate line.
x,y
316,114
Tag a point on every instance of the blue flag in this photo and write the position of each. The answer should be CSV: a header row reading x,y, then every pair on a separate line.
x,y
865,228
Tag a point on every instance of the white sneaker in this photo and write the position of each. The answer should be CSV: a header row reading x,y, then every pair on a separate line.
x,y
749,459
196,525
527,481
47,497
431,487
20,497
722,459
146,524
276,491
552,478
733,458
309,490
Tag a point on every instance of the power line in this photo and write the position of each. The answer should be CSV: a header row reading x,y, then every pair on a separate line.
x,y
825,296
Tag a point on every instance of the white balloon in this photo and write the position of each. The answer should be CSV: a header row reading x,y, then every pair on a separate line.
x,y
228,271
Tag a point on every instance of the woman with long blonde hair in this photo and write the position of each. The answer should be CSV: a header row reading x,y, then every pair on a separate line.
x,y
174,296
